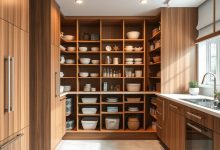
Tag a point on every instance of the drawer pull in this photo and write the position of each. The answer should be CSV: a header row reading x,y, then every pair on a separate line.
x,y
193,115
194,127
11,141
175,107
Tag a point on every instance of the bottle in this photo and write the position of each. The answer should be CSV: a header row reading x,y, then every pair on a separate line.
x,y
104,73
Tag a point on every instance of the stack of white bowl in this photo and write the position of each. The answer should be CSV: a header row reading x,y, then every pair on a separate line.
x,y
138,61
129,61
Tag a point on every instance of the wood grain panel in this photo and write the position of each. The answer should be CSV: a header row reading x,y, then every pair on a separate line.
x,y
178,54
40,74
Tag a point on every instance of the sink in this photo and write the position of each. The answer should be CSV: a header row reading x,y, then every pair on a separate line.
x,y
205,103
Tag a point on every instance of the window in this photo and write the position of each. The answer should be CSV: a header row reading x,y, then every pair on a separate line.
x,y
209,60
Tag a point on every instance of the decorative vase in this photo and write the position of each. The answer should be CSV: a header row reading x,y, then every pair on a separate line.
x,y
194,91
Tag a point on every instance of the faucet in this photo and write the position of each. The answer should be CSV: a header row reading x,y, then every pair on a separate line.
x,y
215,91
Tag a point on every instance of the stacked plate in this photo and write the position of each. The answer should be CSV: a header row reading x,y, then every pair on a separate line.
x,y
112,100
133,108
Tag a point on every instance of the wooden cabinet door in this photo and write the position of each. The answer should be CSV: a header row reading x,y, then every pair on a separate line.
x,y
14,43
25,15
18,141
4,116
176,127
216,141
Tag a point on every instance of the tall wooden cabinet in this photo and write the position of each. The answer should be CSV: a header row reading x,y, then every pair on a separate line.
x,y
14,75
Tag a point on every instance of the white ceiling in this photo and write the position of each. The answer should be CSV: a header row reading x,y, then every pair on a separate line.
x,y
119,7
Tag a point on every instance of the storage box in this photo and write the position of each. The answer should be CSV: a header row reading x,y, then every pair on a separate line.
x,y
112,123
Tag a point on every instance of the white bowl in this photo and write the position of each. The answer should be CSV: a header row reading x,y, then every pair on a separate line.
x,y
138,62
138,49
62,47
89,100
89,110
129,59
83,74
129,48
83,49
71,49
133,87
67,88
94,49
61,89
129,63
85,60
95,61
138,59
89,125
61,74
68,37
70,61
94,74
133,34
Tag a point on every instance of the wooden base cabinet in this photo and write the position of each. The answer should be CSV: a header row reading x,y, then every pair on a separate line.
x,y
175,127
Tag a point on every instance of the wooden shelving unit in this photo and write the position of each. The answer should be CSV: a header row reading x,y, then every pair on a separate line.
x,y
110,32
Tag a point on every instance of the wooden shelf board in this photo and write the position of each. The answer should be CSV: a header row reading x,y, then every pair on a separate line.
x,y
134,64
158,63
69,131
134,77
150,129
153,103
134,112
112,40
89,77
154,77
89,64
89,103
111,52
106,130
88,114
68,52
110,93
112,65
112,113
89,52
155,36
134,40
141,102
68,64
82,41
67,77
155,50
133,52
111,103
82,130
112,77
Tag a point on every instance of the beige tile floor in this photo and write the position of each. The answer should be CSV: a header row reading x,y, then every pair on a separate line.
x,y
109,145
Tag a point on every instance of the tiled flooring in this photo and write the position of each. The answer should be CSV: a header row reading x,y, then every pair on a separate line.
x,y
110,145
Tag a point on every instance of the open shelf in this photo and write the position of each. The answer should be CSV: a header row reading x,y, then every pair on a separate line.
x,y
102,33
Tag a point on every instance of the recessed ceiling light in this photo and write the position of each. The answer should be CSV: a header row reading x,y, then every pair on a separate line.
x,y
79,1
143,1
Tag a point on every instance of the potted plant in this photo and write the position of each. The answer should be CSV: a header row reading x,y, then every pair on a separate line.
x,y
217,96
193,88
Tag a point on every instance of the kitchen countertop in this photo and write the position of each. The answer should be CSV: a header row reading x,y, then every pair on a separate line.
x,y
146,92
177,98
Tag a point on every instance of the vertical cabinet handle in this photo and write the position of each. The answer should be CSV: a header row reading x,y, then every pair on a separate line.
x,y
57,85
10,84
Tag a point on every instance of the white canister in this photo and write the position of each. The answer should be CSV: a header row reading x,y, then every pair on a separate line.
x,y
115,60
194,91
138,73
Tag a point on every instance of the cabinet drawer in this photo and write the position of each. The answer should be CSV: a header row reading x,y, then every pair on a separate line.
x,y
199,117
172,106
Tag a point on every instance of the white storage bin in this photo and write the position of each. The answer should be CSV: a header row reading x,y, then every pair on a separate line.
x,y
112,123
89,123
112,109
89,100
87,110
